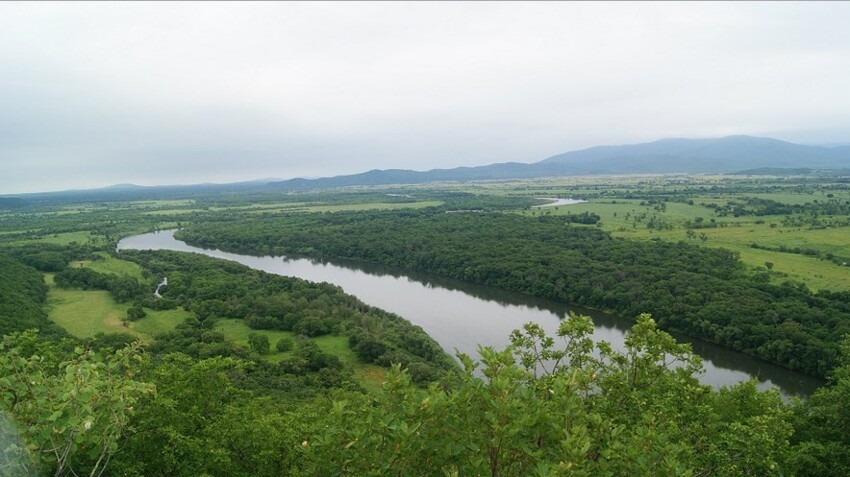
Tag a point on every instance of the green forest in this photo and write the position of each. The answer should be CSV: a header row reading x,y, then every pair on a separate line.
x,y
700,291
237,372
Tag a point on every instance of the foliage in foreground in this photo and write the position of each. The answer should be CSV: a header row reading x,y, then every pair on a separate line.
x,y
71,408
544,406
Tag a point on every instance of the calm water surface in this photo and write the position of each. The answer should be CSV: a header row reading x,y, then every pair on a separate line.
x,y
556,202
460,316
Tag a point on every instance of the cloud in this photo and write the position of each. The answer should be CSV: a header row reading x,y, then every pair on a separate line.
x,y
190,92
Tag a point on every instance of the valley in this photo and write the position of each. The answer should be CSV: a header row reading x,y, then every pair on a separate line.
x,y
749,263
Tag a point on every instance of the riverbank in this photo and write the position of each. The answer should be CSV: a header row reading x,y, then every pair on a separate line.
x,y
461,316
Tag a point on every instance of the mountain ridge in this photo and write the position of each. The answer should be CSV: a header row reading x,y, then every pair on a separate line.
x,y
671,155
729,154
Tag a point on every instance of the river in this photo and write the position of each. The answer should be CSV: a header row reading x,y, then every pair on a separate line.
x,y
557,202
460,315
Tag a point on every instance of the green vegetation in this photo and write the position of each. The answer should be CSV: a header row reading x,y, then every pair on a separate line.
x,y
237,332
212,290
332,386
23,295
105,263
84,313
700,291
580,408
812,256
72,408
157,322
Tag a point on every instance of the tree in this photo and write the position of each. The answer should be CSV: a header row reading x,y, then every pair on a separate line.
x,y
284,344
546,408
822,422
370,349
71,408
136,312
259,343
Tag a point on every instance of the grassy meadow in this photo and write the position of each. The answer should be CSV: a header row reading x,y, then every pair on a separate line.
x,y
674,221
105,263
369,375
85,313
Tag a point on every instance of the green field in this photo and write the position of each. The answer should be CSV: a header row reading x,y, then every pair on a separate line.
x,y
629,219
237,332
369,375
171,212
84,313
108,264
157,322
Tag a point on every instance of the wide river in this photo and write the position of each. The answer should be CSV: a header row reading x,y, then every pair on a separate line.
x,y
461,316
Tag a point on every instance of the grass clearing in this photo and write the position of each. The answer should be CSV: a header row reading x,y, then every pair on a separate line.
x,y
370,376
84,313
159,321
172,212
628,218
108,264
337,345
237,332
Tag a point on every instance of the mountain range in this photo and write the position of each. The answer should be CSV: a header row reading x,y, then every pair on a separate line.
x,y
717,155
731,154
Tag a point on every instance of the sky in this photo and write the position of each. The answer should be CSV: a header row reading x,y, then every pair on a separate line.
x,y
96,94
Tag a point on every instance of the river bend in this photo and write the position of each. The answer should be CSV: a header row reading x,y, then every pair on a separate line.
x,y
460,316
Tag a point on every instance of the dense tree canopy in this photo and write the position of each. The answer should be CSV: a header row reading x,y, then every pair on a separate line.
x,y
22,295
703,292
544,406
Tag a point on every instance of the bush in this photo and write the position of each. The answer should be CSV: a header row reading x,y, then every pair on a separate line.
x,y
284,344
312,326
259,343
422,373
136,312
369,349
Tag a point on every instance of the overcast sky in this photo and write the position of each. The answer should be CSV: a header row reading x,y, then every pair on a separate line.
x,y
167,93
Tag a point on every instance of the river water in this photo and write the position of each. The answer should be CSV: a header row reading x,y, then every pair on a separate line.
x,y
460,316
557,202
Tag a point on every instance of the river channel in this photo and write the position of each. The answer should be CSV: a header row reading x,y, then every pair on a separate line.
x,y
460,316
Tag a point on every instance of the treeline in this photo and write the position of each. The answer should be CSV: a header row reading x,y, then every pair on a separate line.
x,y
582,409
48,257
838,260
122,288
702,292
755,206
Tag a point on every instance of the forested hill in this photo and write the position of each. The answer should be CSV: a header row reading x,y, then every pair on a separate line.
x,y
725,155
700,291
22,295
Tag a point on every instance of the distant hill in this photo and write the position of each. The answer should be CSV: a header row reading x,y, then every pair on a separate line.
x,y
725,154
131,192
718,155
732,154
11,203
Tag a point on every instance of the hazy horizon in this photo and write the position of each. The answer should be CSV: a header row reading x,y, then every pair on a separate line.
x,y
97,94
